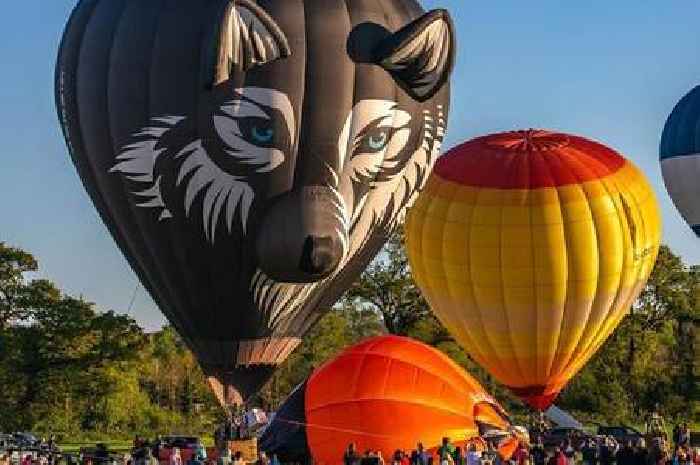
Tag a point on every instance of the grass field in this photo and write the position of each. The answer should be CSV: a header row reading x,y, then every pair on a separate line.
x,y
115,445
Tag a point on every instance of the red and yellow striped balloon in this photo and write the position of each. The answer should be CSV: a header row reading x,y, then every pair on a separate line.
x,y
531,246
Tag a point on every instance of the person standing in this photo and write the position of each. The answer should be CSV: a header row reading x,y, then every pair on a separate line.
x,y
684,435
149,459
224,457
196,459
446,449
351,457
539,456
238,458
625,456
521,455
557,458
641,454
473,455
262,459
175,457
420,457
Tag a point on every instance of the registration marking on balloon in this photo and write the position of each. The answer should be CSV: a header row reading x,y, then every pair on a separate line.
x,y
530,247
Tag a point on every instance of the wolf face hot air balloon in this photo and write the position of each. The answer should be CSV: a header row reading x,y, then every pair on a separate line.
x,y
385,393
249,158
530,247
680,157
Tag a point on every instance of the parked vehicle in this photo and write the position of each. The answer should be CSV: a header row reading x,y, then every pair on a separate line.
x,y
556,436
25,440
622,434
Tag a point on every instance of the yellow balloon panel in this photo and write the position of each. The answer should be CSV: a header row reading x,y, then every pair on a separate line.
x,y
532,281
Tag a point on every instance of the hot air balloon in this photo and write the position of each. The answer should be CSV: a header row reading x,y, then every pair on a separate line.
x,y
249,158
530,247
680,157
385,393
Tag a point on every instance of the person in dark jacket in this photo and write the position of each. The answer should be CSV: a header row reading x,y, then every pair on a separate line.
x,y
625,456
351,457
641,454
539,456
589,451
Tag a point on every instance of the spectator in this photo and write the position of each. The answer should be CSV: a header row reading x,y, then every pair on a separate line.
x,y
148,458
684,435
625,456
568,450
419,456
237,458
458,457
606,453
589,452
200,451
405,459
521,455
262,459
275,460
446,449
473,455
539,456
351,457
4,459
446,459
224,457
679,457
196,459
370,458
175,457
658,454
641,454
558,458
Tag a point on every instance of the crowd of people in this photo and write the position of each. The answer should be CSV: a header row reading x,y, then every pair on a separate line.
x,y
575,450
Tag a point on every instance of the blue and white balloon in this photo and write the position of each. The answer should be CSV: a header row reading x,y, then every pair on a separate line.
x,y
680,157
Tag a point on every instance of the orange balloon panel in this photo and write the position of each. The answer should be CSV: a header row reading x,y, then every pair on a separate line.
x,y
389,393
530,247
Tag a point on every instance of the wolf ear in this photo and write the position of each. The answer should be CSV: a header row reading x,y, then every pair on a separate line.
x,y
420,56
247,37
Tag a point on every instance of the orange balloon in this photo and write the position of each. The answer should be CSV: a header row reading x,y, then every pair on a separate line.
x,y
387,393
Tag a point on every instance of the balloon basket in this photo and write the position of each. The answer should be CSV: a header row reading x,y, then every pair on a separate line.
x,y
247,447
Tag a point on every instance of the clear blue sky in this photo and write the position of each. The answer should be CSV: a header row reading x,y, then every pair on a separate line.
x,y
609,70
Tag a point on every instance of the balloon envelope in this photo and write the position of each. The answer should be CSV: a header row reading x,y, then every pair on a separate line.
x,y
530,247
249,158
680,157
386,393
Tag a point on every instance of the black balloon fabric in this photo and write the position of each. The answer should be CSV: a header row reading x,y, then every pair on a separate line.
x,y
250,158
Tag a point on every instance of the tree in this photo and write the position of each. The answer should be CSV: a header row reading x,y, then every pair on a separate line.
x,y
388,288
340,328
19,298
650,358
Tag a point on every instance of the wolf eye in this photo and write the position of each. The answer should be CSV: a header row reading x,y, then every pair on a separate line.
x,y
375,140
258,131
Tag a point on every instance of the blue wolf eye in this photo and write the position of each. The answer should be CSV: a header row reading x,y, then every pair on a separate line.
x,y
258,131
375,141
262,135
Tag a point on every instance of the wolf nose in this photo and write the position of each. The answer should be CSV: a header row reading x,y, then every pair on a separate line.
x,y
319,256
303,236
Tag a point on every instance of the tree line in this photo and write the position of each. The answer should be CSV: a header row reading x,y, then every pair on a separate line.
x,y
69,369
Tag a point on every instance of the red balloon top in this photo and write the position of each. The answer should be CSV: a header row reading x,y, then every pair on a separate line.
x,y
528,159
